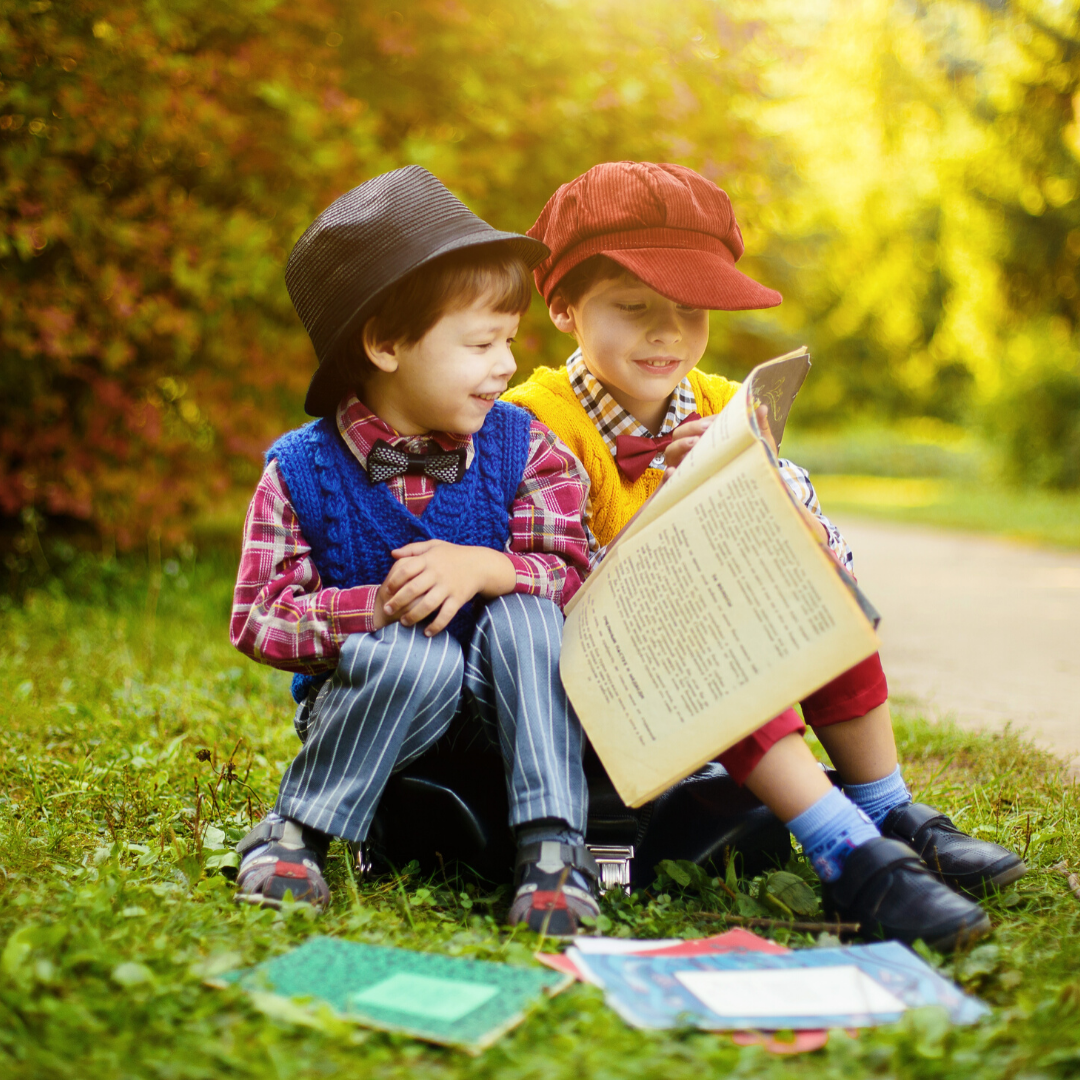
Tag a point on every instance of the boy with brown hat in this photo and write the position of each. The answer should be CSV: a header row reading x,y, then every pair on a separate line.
x,y
639,255
407,554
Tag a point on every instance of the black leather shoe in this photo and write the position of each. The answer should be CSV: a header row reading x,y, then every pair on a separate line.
x,y
887,890
976,867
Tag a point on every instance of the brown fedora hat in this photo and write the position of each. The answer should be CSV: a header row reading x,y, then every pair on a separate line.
x,y
367,240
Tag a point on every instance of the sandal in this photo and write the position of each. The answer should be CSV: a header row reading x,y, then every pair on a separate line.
x,y
292,863
555,887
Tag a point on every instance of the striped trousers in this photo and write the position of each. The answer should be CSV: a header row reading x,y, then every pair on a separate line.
x,y
394,694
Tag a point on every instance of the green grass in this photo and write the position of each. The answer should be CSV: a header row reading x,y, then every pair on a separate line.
x,y
1035,517
929,473
121,709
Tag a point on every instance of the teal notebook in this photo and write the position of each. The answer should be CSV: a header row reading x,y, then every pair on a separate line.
x,y
442,999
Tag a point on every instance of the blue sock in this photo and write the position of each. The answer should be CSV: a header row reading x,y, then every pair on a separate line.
x,y
830,831
878,797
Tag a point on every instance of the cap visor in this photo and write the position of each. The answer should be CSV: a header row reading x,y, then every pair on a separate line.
x,y
696,278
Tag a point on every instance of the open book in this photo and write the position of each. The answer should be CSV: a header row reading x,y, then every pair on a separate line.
x,y
717,608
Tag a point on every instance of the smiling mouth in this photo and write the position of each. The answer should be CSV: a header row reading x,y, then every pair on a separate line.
x,y
659,363
489,397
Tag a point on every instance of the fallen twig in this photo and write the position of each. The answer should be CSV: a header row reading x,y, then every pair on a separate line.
x,y
767,924
1072,880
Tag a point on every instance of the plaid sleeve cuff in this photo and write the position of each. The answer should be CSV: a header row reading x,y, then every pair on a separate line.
x,y
798,481
353,612
545,575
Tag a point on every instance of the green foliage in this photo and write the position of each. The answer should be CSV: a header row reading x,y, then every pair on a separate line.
x,y
1040,426
906,174
159,161
134,748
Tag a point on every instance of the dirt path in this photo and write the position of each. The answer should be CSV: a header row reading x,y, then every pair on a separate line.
x,y
976,628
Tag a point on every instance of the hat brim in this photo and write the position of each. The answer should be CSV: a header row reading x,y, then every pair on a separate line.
x,y
698,279
328,384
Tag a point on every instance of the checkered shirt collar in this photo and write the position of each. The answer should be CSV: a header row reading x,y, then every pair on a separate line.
x,y
611,419
361,429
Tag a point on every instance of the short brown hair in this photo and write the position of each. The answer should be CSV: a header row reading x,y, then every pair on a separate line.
x,y
586,274
418,301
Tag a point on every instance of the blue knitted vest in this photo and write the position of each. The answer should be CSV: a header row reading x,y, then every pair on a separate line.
x,y
352,525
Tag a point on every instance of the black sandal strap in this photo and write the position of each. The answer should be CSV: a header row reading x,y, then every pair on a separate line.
x,y
576,856
269,832
264,833
869,861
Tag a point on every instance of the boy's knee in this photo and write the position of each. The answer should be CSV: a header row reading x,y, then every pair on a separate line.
x,y
521,622
520,610
405,650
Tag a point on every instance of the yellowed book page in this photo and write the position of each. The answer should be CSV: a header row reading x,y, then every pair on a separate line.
x,y
704,626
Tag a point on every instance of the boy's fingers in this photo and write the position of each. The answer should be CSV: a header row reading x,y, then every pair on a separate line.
x,y
419,548
441,621
677,450
402,571
407,594
423,606
762,413
693,427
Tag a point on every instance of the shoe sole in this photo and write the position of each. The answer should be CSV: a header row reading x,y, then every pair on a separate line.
x,y
962,936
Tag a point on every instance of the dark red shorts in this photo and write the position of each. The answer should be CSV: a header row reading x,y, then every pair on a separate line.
x,y
847,697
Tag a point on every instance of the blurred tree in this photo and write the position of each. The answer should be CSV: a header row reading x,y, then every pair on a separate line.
x,y
906,173
158,162
931,253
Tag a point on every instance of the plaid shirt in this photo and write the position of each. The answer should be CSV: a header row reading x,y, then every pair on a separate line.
x,y
612,420
282,615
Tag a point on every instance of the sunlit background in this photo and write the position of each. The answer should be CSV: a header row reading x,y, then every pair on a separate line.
x,y
905,173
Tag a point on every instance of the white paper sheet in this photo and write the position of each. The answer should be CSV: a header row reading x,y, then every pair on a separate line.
x,y
802,992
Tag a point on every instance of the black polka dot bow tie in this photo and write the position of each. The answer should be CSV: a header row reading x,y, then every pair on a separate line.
x,y
386,461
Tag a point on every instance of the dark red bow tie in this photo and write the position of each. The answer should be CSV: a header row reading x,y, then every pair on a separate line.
x,y
634,453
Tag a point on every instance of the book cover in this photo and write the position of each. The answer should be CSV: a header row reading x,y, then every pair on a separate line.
x,y
856,986
441,999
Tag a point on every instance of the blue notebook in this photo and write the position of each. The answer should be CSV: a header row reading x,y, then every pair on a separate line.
x,y
856,986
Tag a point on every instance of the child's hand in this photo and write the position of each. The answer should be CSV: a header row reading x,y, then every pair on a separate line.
x,y
434,576
762,414
683,439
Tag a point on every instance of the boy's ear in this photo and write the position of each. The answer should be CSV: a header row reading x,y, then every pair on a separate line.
x,y
383,354
562,314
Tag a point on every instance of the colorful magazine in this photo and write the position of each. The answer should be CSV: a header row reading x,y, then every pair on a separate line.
x,y
441,999
856,986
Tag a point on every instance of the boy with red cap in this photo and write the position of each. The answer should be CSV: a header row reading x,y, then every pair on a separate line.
x,y
639,255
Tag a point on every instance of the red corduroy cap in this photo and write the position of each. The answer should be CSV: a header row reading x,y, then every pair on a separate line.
x,y
666,224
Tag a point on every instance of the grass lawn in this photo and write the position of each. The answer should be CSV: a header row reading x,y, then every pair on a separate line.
x,y
136,746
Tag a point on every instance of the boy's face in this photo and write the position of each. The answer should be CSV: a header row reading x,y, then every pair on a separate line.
x,y
636,343
450,378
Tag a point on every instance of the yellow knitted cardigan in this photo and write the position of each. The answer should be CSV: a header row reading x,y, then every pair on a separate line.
x,y
548,395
